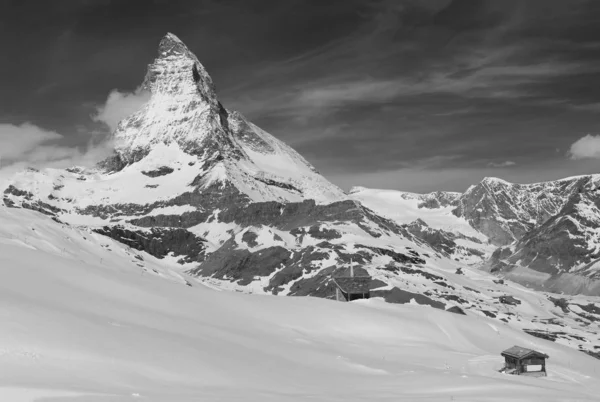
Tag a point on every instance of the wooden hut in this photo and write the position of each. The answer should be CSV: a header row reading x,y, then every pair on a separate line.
x,y
348,288
523,361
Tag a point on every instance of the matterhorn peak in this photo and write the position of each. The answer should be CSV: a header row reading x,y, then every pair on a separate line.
x,y
177,71
170,44
184,120
183,105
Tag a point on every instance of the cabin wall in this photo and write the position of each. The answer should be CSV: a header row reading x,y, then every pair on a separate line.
x,y
510,362
343,296
340,296
526,366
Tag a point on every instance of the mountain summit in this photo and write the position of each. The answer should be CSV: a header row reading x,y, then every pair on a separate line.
x,y
184,114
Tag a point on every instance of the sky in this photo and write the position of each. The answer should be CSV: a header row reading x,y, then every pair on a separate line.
x,y
410,95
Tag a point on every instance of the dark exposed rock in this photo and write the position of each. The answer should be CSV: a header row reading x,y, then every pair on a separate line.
x,y
159,241
510,300
319,285
456,310
9,203
249,238
471,289
397,257
240,265
299,263
161,171
185,220
399,296
541,334
114,163
562,303
439,240
488,313
19,193
391,268
271,182
455,298
590,308
42,207
316,232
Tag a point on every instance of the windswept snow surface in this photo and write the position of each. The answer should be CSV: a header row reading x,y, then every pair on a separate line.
x,y
81,321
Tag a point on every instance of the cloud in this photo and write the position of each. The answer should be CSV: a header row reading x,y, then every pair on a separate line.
x,y
18,140
120,105
29,145
501,164
586,147
587,107
357,91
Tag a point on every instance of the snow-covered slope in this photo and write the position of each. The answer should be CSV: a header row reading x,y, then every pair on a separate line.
x,y
80,322
431,218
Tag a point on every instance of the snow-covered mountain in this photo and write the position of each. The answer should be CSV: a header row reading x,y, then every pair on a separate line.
x,y
193,180
196,186
505,211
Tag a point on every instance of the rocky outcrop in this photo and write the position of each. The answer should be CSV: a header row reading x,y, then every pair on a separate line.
x,y
160,242
399,296
161,171
505,212
565,244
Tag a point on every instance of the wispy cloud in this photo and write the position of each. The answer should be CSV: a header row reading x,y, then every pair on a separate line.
x,y
504,164
30,145
494,77
119,105
19,140
587,107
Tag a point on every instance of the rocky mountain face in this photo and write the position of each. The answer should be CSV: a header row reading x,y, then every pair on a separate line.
x,y
562,253
547,232
505,212
542,234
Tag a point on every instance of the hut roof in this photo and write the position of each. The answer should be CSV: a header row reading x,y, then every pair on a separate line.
x,y
519,352
353,284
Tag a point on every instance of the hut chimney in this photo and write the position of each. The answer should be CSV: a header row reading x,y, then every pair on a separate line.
x,y
351,268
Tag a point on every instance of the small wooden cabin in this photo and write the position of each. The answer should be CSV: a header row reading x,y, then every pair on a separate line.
x,y
348,288
523,361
